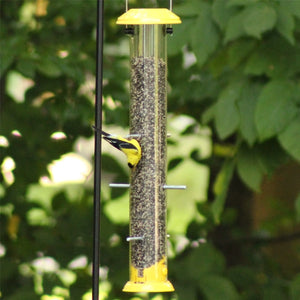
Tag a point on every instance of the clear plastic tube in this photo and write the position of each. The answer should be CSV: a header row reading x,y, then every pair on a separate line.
x,y
148,109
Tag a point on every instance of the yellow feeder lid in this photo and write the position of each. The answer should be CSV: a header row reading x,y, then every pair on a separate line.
x,y
137,16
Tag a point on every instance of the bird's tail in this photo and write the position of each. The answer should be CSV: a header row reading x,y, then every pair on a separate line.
x,y
105,133
102,132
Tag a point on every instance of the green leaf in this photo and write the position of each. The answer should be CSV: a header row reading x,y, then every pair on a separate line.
x,y
297,206
26,67
227,115
290,138
292,6
217,287
270,155
295,288
222,13
285,23
244,277
253,20
216,63
188,8
240,2
254,162
180,37
239,51
275,108
258,63
274,292
185,291
26,292
205,260
220,189
48,67
246,105
204,35
234,28
10,49
275,57
209,114
259,18
249,168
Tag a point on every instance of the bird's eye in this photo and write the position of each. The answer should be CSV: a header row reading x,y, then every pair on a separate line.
x,y
130,165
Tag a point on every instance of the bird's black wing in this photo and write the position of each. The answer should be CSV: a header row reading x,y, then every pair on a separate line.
x,y
125,145
119,144
114,142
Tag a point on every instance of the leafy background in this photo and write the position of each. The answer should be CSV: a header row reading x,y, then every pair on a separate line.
x,y
234,116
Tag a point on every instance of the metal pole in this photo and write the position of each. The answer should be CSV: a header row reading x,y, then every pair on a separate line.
x,y
97,147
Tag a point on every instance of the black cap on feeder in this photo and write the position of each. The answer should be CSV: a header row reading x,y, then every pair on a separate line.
x,y
148,110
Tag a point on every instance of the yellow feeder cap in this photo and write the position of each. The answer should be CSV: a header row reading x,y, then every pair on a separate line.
x,y
137,16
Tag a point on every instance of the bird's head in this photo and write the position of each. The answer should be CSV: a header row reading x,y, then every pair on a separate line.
x,y
130,165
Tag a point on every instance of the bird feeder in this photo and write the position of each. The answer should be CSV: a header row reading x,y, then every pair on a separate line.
x,y
148,29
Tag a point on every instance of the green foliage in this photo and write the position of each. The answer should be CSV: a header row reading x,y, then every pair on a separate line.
x,y
275,108
289,138
220,189
215,287
255,73
297,206
249,167
294,288
226,113
234,101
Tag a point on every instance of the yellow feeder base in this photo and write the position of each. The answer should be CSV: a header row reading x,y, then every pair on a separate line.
x,y
150,287
152,279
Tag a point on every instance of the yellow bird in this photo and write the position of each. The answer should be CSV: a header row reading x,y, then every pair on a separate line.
x,y
131,148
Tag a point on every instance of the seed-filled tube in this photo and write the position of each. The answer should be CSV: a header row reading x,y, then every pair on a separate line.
x,y
148,110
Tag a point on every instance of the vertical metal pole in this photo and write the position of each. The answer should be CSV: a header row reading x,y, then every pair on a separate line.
x,y
97,147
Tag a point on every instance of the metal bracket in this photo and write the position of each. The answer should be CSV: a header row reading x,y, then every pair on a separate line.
x,y
129,30
174,187
119,185
165,187
134,238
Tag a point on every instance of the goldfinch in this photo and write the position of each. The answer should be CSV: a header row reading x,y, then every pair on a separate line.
x,y
131,148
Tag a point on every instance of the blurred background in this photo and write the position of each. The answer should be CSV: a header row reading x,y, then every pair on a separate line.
x,y
234,120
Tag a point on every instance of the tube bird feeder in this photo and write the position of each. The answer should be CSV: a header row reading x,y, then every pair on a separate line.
x,y
148,29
